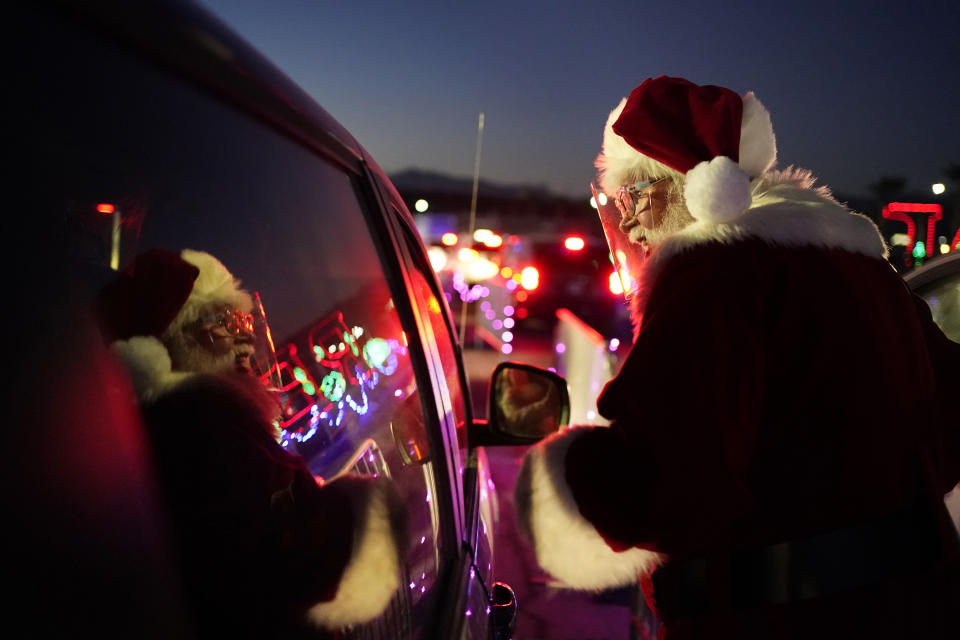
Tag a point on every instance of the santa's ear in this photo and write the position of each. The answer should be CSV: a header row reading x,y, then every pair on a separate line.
x,y
149,365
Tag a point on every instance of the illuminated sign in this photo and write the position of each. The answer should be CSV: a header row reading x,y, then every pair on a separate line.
x,y
899,211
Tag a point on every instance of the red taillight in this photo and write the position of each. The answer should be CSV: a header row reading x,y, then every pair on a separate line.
x,y
493,241
574,243
616,286
104,207
530,278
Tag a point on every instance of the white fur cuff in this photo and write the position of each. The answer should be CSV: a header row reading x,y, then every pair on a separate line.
x,y
148,362
566,544
372,575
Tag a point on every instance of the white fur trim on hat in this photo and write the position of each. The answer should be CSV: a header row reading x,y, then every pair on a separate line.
x,y
372,575
621,164
758,145
566,544
149,364
717,191
214,285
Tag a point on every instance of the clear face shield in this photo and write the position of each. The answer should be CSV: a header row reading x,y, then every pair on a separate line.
x,y
627,256
263,360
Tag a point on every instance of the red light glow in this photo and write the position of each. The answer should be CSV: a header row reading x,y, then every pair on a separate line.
x,y
449,239
104,207
574,243
530,278
899,210
616,285
493,241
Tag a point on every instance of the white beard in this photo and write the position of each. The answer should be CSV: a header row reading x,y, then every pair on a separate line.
x,y
675,218
187,355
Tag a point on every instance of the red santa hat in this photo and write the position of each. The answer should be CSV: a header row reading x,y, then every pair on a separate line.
x,y
716,140
161,290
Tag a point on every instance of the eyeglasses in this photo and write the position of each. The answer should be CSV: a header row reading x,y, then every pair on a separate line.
x,y
628,197
234,321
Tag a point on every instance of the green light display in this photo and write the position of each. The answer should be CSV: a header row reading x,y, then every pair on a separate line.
x,y
333,385
376,351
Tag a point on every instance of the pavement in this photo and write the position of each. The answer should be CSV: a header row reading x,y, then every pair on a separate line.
x,y
546,610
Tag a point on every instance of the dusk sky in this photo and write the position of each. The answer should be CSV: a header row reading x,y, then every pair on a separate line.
x,y
856,89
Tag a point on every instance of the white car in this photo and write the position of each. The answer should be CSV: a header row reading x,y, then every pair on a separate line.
x,y
938,282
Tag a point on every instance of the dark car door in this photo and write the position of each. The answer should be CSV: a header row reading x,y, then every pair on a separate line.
x,y
124,153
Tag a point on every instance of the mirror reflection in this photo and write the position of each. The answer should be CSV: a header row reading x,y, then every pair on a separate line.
x,y
527,402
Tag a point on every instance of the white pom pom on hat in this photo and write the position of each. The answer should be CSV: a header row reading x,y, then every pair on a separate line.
x,y
670,126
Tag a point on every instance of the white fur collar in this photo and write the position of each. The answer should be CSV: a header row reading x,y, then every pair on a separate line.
x,y
785,210
148,361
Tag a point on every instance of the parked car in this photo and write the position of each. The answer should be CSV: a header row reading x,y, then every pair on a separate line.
x,y
578,277
151,125
938,282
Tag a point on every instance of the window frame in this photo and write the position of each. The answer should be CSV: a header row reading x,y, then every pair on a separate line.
x,y
391,251
462,577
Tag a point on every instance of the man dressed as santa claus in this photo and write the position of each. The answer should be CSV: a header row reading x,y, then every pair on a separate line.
x,y
781,437
267,550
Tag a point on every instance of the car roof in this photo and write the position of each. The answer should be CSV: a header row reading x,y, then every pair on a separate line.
x,y
198,46
932,271
190,40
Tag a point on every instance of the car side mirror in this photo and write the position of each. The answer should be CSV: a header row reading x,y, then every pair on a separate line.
x,y
527,404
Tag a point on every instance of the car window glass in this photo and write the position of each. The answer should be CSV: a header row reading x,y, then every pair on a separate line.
x,y
155,164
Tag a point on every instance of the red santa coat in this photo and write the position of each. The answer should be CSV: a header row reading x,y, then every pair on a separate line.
x,y
784,387
265,550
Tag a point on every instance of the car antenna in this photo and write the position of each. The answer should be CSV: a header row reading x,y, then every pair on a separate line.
x,y
473,218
